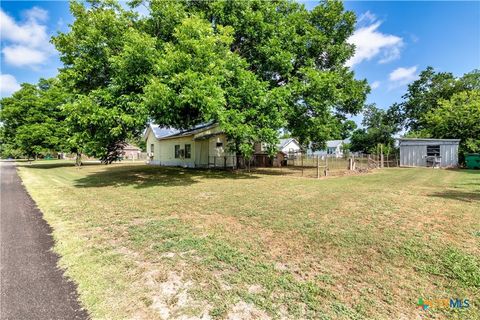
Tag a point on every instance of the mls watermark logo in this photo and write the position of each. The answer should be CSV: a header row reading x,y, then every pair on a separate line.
x,y
452,303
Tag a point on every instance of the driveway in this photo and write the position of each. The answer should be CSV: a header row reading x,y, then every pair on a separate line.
x,y
32,287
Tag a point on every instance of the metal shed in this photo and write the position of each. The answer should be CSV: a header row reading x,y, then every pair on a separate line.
x,y
416,152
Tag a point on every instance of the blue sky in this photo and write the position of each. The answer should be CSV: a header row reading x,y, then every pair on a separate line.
x,y
395,40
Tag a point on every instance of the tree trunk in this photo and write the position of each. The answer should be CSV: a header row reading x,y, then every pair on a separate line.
x,y
78,159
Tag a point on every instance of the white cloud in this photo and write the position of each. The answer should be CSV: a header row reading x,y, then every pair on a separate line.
x,y
26,42
374,85
8,85
19,55
367,17
370,42
402,76
36,13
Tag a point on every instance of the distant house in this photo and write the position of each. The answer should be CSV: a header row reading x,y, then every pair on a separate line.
x,y
285,147
201,146
335,148
289,145
131,152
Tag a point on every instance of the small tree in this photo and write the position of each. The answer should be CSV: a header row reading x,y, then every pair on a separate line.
x,y
380,126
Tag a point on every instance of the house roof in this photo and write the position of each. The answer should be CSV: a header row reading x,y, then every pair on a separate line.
x,y
336,143
168,132
284,142
131,147
161,132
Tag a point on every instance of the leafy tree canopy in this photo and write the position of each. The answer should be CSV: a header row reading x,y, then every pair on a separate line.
x,y
252,66
380,127
424,95
285,66
457,118
32,119
106,65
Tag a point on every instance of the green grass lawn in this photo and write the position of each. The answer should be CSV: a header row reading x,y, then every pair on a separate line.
x,y
150,243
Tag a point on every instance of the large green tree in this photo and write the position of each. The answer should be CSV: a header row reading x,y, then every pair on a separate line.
x,y
252,66
106,65
33,120
199,79
292,66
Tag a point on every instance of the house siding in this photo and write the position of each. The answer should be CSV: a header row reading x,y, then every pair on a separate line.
x,y
167,152
151,139
164,150
291,146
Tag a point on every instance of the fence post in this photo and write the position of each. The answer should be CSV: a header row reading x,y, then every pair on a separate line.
x,y
381,156
318,167
214,162
326,166
301,161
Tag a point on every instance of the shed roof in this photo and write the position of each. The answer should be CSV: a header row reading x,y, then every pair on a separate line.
x,y
427,141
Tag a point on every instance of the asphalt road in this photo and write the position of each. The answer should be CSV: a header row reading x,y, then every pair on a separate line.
x,y
31,284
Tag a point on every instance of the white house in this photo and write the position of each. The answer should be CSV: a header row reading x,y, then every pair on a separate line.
x,y
201,146
289,145
334,149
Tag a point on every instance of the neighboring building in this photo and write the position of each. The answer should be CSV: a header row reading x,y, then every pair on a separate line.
x,y
289,146
201,146
285,148
334,149
428,152
131,152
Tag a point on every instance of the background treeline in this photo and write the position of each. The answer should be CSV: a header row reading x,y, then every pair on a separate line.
x,y
255,67
436,105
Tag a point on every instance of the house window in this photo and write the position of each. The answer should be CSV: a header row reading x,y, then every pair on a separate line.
x,y
188,151
151,148
177,151
219,144
433,151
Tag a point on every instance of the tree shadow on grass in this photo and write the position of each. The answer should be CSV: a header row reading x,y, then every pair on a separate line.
x,y
151,176
466,196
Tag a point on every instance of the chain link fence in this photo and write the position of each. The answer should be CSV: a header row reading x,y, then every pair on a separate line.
x,y
305,165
